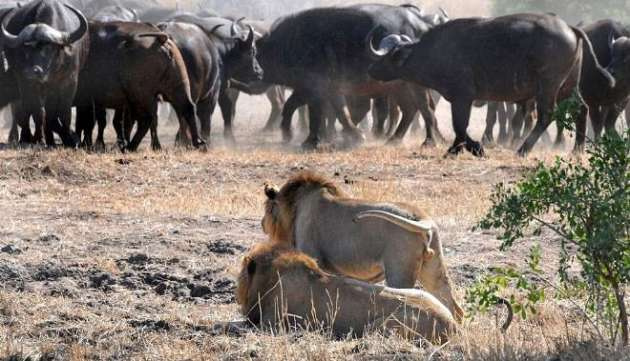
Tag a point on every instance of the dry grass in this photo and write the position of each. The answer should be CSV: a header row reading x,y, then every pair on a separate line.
x,y
133,257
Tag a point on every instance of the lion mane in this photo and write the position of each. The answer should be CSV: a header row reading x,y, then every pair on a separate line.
x,y
281,205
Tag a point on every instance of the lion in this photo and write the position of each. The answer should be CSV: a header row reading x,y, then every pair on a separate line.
x,y
280,288
365,240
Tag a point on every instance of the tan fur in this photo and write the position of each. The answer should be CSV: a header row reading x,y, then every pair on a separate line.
x,y
314,216
275,277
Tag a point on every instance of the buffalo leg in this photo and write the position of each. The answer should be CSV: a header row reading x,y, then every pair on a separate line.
x,y
68,137
144,123
315,110
503,116
461,117
580,129
85,125
205,109
206,119
100,113
381,109
350,130
303,118
427,106
155,140
295,101
359,107
14,136
227,105
119,127
491,121
23,119
127,121
408,110
524,110
393,116
275,95
612,116
545,103
39,118
329,119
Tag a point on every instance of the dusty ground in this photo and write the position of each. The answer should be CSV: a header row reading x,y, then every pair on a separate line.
x,y
133,257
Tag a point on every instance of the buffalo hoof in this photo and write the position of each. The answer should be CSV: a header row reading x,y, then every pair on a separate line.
x,y
13,138
156,147
456,149
287,135
523,152
122,145
578,149
99,146
475,148
428,143
310,144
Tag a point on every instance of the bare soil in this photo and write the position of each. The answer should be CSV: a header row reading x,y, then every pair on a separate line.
x,y
110,256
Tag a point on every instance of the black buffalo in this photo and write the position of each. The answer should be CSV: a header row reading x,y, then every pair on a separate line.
x,y
604,103
229,51
46,46
320,54
211,61
511,58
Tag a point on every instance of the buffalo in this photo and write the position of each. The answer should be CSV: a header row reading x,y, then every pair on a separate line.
x,y
129,66
511,58
319,53
46,46
212,60
233,53
604,103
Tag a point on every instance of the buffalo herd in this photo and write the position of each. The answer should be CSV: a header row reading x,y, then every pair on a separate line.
x,y
339,63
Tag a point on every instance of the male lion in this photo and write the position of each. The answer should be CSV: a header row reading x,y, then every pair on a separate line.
x,y
281,288
360,239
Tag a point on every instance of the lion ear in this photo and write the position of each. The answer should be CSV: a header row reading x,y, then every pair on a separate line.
x,y
251,265
271,191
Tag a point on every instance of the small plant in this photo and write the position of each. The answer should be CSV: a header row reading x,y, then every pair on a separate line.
x,y
484,294
588,207
567,112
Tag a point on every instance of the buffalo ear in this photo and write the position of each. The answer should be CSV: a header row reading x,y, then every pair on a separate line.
x,y
271,191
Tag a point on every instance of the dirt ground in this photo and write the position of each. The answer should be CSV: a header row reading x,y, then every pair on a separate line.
x,y
110,256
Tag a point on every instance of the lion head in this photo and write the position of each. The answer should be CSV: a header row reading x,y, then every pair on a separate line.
x,y
281,204
261,268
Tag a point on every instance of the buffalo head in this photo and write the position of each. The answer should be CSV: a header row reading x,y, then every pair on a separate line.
x,y
390,55
619,66
40,48
244,66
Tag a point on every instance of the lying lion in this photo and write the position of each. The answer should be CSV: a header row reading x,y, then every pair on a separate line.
x,y
282,288
360,239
